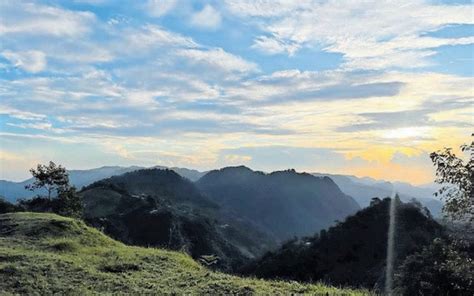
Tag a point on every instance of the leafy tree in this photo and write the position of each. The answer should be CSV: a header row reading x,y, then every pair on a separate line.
x,y
55,179
51,177
457,177
446,267
439,269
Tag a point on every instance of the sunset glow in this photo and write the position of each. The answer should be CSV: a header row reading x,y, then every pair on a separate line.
x,y
368,90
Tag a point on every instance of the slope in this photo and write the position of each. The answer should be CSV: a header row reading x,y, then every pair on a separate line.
x,y
354,251
48,254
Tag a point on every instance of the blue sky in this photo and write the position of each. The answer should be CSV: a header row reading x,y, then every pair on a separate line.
x,y
364,88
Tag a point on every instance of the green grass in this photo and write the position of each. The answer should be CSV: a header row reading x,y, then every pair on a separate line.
x,y
45,254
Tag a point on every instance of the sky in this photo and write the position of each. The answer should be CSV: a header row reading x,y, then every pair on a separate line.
x,y
367,88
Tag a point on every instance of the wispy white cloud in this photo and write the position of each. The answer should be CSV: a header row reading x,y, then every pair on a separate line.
x,y
39,125
158,8
267,8
32,60
19,17
219,59
273,45
19,114
127,89
92,2
370,35
151,36
207,18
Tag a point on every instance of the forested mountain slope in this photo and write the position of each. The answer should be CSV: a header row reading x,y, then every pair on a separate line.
x,y
283,204
354,251
156,207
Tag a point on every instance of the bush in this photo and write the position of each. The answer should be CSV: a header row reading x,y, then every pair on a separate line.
x,y
69,203
6,207
37,204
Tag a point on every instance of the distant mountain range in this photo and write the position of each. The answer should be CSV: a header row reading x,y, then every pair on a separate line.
x,y
364,189
361,189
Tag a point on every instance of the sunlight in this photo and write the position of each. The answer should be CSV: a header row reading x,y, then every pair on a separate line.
x,y
407,132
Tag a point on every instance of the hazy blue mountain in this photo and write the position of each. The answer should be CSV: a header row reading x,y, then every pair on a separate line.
x,y
283,204
190,174
12,191
424,191
364,189
79,178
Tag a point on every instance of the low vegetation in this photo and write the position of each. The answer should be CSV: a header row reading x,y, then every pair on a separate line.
x,y
43,253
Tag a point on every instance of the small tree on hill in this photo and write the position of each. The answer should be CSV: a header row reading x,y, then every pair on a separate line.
x,y
55,180
51,177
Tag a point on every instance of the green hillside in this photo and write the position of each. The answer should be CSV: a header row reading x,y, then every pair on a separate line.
x,y
45,253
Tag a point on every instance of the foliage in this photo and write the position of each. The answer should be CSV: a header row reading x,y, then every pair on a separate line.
x,y
446,267
442,268
47,254
458,177
55,180
51,177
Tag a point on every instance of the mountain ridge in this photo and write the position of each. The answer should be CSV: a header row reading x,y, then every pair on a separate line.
x,y
360,188
283,203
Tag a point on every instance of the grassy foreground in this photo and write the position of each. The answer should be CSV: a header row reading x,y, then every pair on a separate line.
x,y
45,253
